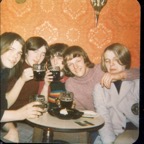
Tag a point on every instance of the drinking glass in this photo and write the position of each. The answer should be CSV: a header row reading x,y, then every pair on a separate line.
x,y
55,72
39,72
65,100
39,98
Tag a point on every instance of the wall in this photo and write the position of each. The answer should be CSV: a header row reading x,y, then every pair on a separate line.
x,y
74,22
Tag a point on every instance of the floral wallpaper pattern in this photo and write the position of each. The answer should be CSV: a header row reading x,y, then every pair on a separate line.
x,y
74,22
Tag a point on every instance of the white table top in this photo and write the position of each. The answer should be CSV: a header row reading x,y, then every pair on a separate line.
x,y
48,121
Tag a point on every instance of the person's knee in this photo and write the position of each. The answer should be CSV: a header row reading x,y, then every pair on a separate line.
x,y
127,137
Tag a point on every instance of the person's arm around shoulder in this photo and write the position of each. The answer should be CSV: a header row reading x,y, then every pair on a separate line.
x,y
130,74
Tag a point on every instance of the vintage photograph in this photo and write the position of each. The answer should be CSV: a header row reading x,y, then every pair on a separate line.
x,y
70,71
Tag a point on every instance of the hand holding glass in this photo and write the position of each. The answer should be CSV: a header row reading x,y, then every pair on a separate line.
x,y
39,98
55,70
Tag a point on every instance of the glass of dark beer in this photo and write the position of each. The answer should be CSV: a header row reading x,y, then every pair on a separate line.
x,y
39,72
66,100
55,70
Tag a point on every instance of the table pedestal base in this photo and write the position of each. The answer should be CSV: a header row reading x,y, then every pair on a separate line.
x,y
47,135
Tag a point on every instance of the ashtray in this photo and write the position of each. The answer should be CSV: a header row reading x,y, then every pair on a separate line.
x,y
71,113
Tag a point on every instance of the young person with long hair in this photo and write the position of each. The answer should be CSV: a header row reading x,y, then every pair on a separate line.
x,y
119,105
11,47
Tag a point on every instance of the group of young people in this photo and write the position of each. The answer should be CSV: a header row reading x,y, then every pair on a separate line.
x,y
94,85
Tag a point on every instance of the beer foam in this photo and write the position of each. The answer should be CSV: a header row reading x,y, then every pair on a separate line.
x,y
66,100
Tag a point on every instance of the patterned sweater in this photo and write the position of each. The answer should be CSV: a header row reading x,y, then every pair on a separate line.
x,y
55,89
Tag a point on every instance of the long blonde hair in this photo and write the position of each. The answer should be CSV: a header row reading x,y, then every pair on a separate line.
x,y
121,52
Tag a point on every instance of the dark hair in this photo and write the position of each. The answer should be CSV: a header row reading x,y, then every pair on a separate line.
x,y
72,52
34,43
121,52
56,49
6,39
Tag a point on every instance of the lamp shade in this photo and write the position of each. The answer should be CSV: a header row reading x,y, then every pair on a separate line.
x,y
98,5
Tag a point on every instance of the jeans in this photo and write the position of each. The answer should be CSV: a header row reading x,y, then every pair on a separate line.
x,y
92,137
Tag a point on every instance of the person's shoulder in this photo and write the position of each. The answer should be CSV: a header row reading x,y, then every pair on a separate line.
x,y
98,86
69,79
96,67
136,82
132,81
97,70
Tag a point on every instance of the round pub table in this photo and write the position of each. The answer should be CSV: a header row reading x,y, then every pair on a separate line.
x,y
46,124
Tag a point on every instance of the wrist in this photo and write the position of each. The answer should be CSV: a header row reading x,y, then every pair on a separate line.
x,y
18,115
22,80
46,84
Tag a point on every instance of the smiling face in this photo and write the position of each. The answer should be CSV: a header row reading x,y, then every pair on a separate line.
x,y
35,56
11,57
77,66
112,62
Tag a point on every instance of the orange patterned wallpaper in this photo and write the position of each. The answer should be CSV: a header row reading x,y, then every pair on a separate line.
x,y
73,22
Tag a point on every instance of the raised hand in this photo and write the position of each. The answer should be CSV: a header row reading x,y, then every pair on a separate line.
x,y
27,74
48,77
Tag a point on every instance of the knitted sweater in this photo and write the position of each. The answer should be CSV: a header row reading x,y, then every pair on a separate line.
x,y
82,87
55,89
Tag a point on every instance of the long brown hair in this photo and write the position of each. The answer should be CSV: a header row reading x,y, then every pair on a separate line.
x,y
6,39
34,43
